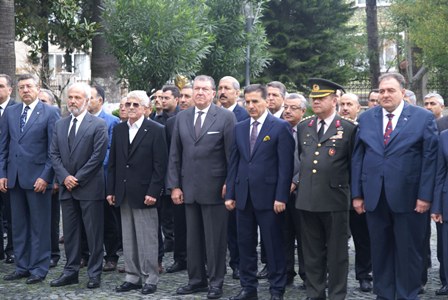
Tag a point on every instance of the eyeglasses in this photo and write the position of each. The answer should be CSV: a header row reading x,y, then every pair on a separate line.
x,y
27,86
292,107
134,104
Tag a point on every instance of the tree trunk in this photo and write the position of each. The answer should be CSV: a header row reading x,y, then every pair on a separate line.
x,y
7,38
104,65
372,42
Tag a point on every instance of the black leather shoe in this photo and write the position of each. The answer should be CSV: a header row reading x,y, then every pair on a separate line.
x,y
15,275
53,263
64,280
94,282
245,295
127,286
110,266
34,279
9,259
365,285
443,291
191,289
176,267
236,273
263,274
276,297
149,289
214,293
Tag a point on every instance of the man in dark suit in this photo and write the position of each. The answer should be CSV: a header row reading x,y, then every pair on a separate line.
x,y
25,170
137,167
258,185
228,93
325,144
6,253
197,169
78,150
180,224
393,171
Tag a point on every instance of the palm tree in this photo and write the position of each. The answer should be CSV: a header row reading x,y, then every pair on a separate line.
x,y
7,38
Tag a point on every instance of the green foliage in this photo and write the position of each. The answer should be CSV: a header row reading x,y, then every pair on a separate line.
x,y
310,38
154,40
228,52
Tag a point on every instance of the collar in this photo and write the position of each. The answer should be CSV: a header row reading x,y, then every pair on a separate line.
x,y
232,107
328,120
137,123
278,113
5,104
81,116
205,110
261,119
397,112
32,105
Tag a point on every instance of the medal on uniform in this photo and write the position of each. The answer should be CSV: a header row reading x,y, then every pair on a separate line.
x,y
332,151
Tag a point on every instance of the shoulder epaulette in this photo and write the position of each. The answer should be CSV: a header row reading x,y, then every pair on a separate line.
x,y
349,120
307,118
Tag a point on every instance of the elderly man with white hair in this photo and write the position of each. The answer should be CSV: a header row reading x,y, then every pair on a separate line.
x,y
137,166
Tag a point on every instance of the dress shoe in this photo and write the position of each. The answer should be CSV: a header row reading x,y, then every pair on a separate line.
x,y
276,297
53,263
176,267
149,289
236,273
289,280
34,279
365,285
443,291
15,275
64,280
127,286
94,282
9,259
214,293
245,295
83,263
263,274
110,266
121,270
191,289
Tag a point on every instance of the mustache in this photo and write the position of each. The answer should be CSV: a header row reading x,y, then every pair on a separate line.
x,y
222,96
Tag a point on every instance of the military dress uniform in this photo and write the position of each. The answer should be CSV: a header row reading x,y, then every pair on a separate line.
x,y
323,201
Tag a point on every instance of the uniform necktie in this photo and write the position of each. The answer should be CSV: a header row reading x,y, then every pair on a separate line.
x,y
23,118
389,129
198,124
72,134
320,133
253,135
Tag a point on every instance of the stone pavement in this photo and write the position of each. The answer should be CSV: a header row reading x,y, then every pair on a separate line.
x,y
170,282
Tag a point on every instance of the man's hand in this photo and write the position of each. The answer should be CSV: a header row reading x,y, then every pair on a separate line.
x,y
223,192
230,204
437,218
70,182
55,188
292,188
111,199
150,200
279,207
40,186
4,185
422,206
177,196
358,205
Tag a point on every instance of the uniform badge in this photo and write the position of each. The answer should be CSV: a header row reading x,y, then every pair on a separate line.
x,y
332,152
310,124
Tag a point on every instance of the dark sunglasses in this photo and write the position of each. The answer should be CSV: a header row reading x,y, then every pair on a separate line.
x,y
134,104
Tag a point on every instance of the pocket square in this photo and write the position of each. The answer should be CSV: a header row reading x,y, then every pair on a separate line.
x,y
212,132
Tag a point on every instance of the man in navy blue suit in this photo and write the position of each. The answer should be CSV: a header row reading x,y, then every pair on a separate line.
x,y
393,171
228,92
258,185
25,170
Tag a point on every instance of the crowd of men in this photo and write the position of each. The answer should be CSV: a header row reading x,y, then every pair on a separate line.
x,y
194,172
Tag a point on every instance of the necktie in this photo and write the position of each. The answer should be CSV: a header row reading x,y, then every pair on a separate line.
x,y
320,133
198,124
72,135
388,129
23,118
253,135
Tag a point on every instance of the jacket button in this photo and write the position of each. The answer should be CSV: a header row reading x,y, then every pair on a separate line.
x,y
314,171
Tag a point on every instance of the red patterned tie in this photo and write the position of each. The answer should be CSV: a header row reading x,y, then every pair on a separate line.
x,y
388,129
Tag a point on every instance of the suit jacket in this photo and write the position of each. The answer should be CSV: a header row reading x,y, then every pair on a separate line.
x,y
324,179
240,113
111,121
406,166
138,169
266,174
25,156
442,123
199,166
440,204
84,161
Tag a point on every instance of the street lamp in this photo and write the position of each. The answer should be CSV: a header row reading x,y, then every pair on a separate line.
x,y
249,14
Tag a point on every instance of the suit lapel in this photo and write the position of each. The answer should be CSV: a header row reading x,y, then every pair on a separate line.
x,y
210,118
190,120
139,136
263,132
331,131
378,115
37,111
402,121
245,131
82,129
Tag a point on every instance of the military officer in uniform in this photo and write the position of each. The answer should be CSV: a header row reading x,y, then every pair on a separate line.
x,y
325,143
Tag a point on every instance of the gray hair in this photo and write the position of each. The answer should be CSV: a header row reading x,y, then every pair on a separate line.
x,y
437,96
49,94
302,99
235,83
278,85
140,95
205,78
410,94
83,86
7,78
29,76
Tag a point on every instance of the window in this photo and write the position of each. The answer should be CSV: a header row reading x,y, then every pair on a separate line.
x,y
80,65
